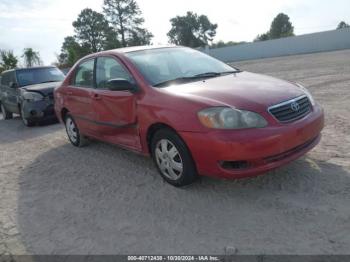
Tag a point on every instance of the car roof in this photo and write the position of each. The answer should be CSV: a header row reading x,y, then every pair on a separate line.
x,y
35,67
26,68
140,48
125,50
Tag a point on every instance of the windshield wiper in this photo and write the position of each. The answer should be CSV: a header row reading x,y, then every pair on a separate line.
x,y
175,80
207,74
214,74
49,81
198,76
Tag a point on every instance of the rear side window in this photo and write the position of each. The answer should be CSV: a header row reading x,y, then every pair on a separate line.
x,y
108,68
4,79
84,76
8,78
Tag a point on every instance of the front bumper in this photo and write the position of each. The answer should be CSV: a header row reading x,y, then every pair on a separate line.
x,y
262,149
40,110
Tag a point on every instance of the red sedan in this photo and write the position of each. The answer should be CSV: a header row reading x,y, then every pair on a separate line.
x,y
192,113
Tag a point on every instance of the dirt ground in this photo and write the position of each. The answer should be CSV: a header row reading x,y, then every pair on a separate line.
x,y
57,199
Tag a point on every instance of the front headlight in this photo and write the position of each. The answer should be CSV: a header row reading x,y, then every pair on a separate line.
x,y
31,96
229,118
307,93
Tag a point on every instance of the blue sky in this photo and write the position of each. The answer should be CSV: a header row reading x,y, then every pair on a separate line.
x,y
43,24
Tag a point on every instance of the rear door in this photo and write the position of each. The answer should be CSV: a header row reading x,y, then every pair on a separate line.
x,y
115,110
79,97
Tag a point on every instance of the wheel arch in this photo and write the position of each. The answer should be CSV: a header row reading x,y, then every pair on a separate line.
x,y
64,113
152,129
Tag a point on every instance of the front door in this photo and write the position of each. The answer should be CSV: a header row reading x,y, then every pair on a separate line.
x,y
79,97
115,110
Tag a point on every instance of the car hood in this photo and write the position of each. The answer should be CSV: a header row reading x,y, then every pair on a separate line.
x,y
44,88
243,90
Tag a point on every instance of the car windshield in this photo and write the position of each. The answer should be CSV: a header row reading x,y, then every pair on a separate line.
x,y
165,66
33,76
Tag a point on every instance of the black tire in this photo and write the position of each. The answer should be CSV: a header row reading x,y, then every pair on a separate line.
x,y
189,171
78,140
26,122
5,114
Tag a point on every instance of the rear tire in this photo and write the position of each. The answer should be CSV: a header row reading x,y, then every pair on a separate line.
x,y
6,115
26,122
172,158
73,132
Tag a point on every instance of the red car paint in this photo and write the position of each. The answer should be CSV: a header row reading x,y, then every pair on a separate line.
x,y
126,118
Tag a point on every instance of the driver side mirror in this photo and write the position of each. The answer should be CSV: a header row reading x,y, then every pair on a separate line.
x,y
13,85
120,84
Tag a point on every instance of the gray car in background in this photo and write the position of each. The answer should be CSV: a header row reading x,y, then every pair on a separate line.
x,y
29,92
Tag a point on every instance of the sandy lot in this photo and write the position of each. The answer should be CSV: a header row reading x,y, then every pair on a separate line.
x,y
57,199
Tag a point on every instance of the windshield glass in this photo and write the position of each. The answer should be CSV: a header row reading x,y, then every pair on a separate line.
x,y
32,76
167,64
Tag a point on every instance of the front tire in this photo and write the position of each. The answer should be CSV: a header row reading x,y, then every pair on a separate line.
x,y
6,115
74,135
172,158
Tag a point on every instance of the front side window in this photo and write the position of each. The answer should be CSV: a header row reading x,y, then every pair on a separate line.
x,y
33,76
108,68
84,76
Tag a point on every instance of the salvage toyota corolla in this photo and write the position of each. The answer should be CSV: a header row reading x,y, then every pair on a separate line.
x,y
192,113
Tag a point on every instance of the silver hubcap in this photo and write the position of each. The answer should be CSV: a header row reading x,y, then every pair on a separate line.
x,y
168,159
71,130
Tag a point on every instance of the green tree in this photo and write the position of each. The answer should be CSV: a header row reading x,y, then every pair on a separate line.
x,y
262,37
92,30
191,30
7,60
112,41
140,36
31,57
225,44
342,25
125,17
71,52
281,27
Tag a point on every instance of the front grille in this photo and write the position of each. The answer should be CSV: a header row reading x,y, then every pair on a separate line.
x,y
291,110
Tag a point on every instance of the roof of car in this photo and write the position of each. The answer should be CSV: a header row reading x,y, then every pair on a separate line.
x,y
34,67
130,49
20,69
140,48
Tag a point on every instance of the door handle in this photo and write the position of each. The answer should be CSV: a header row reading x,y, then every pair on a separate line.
x,y
69,93
95,96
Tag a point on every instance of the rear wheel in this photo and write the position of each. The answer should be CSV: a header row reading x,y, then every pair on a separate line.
x,y
26,122
5,114
74,135
172,158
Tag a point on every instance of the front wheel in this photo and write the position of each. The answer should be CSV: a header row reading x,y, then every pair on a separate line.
x,y
74,135
5,114
172,158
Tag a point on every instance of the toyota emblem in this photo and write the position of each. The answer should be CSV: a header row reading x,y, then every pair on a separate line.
x,y
295,106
